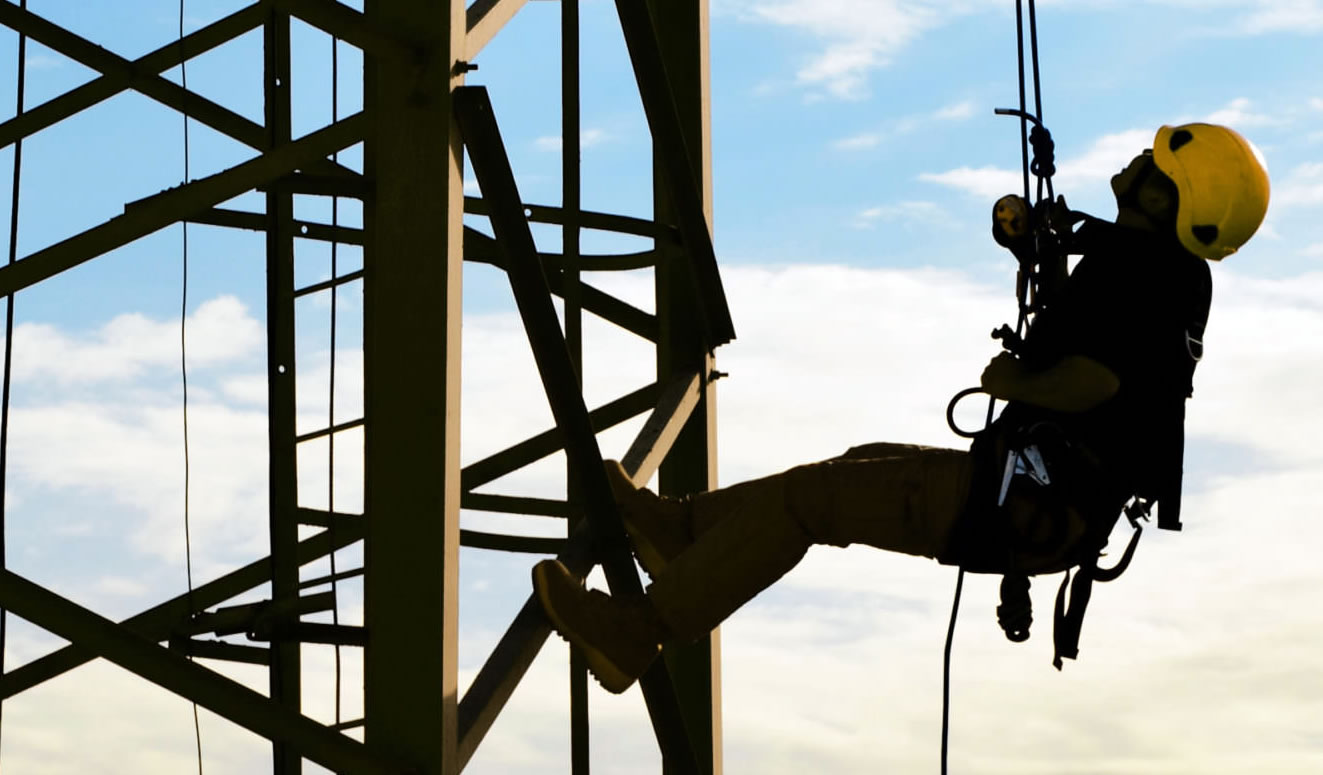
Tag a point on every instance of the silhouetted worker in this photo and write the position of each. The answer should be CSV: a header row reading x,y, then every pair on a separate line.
x,y
1095,417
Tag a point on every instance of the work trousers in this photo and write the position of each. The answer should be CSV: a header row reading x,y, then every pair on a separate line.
x,y
899,497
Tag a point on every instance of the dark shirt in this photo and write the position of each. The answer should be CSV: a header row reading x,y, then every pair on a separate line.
x,y
1129,305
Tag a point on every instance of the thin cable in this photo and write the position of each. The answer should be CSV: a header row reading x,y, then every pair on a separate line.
x,y
183,371
9,338
1038,91
946,666
330,412
1024,123
1033,54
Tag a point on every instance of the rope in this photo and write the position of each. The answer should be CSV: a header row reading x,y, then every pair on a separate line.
x,y
9,339
1024,128
183,371
330,418
1043,167
1046,176
946,666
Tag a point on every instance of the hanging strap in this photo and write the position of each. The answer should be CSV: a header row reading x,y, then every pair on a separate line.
x,y
1068,620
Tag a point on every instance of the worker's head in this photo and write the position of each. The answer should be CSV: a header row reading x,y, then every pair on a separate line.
x,y
1204,180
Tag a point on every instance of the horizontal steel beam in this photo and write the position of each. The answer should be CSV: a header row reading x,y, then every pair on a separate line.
x,y
174,672
340,520
177,204
240,219
331,578
480,248
334,282
587,219
348,425
476,539
512,504
158,622
551,441
219,649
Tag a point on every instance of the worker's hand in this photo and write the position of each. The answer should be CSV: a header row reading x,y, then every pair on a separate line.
x,y
1060,217
1002,377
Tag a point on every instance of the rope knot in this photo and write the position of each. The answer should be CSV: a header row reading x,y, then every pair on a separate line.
x,y
1044,164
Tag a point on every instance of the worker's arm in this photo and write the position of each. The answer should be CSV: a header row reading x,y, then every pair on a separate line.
x,y
1074,384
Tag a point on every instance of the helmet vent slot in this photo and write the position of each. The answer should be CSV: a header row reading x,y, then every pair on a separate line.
x,y
1179,138
1205,234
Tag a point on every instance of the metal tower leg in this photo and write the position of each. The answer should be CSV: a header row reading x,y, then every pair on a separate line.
x,y
412,259
285,676
681,349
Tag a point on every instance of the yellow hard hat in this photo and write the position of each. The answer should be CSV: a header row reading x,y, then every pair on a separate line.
x,y
1223,186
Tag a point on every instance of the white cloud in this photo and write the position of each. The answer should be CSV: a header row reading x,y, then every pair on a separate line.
x,y
858,142
121,587
1297,16
1101,161
1237,115
587,139
859,36
903,126
909,211
44,62
855,38
219,330
955,112
1315,250
1301,186
987,182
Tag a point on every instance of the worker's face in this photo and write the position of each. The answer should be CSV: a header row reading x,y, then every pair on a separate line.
x,y
1141,186
1124,181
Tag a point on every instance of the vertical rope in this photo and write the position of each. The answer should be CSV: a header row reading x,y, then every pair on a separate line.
x,y
1024,123
946,666
1023,314
183,371
1038,91
9,341
330,412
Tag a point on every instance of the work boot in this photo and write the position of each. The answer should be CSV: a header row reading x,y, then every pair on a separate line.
x,y
619,638
659,528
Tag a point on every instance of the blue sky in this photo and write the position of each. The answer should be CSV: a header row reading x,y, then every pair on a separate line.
x,y
855,159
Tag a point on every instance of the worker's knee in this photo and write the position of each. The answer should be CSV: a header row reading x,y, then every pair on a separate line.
x,y
900,504
814,504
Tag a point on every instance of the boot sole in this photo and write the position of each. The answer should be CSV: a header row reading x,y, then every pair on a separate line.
x,y
607,674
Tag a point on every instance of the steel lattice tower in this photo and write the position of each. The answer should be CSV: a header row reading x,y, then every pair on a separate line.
x,y
419,118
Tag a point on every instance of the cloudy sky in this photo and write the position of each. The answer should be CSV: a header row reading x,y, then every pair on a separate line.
x,y
856,156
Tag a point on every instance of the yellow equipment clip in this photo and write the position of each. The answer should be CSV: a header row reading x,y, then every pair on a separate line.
x,y
1010,220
